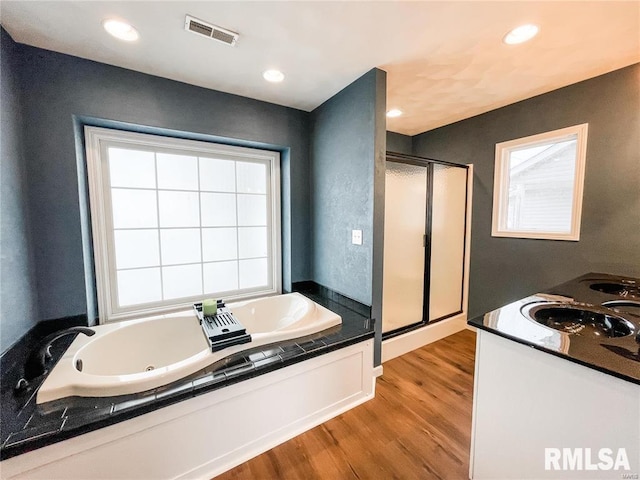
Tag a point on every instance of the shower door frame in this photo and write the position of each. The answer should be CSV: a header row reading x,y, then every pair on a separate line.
x,y
429,163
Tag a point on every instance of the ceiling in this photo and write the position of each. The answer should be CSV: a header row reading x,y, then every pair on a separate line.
x,y
445,59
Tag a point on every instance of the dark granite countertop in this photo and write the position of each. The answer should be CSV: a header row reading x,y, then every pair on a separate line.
x,y
603,294
27,426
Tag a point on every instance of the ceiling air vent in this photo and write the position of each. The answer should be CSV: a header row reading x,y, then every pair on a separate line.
x,y
199,27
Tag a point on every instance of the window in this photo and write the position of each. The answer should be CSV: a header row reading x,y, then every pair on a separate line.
x,y
175,221
538,185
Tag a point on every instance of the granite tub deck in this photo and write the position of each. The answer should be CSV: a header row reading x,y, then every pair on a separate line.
x,y
27,426
619,357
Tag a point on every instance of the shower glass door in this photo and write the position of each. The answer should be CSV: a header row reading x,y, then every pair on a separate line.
x,y
424,242
447,240
404,245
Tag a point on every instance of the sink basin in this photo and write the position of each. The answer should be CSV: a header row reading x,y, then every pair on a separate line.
x,y
624,306
582,320
614,288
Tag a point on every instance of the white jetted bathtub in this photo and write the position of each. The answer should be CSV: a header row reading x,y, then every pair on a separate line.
x,y
138,355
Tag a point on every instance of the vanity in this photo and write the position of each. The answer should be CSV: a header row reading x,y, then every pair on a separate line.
x,y
557,384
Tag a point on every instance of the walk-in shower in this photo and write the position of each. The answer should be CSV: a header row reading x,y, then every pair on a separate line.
x,y
424,254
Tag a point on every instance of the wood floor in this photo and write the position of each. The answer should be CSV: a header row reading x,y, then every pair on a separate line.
x,y
417,426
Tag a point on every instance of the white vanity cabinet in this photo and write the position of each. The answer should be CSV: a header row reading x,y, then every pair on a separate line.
x,y
528,404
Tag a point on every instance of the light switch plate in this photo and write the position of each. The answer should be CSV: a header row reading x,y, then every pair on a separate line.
x,y
356,237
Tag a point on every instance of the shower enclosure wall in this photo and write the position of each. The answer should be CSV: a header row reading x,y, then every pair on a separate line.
x,y
425,242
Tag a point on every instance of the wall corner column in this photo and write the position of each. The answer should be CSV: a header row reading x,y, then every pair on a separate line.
x,y
380,149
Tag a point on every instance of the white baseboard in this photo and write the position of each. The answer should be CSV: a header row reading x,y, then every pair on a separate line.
x,y
377,371
396,346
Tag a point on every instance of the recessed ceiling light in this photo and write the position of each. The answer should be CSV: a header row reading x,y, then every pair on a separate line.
x,y
394,112
521,34
121,30
273,76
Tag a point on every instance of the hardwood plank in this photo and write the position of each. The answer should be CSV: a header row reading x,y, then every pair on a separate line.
x,y
418,426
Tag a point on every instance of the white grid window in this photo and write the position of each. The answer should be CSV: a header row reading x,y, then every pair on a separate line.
x,y
538,185
175,221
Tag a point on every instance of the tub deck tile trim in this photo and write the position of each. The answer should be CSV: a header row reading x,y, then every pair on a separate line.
x,y
33,433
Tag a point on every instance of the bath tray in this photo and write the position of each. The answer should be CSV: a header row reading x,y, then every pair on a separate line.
x,y
222,329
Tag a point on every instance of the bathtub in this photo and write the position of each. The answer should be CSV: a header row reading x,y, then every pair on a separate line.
x,y
138,355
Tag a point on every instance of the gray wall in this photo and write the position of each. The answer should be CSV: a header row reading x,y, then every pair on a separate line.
x,y
399,143
343,156
18,298
58,90
504,269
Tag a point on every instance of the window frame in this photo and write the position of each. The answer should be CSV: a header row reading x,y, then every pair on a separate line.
x,y
501,183
97,140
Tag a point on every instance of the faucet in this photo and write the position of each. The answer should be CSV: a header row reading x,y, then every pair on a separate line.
x,y
36,362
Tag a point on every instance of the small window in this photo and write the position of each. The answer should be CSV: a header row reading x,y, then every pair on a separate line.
x,y
538,185
175,221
